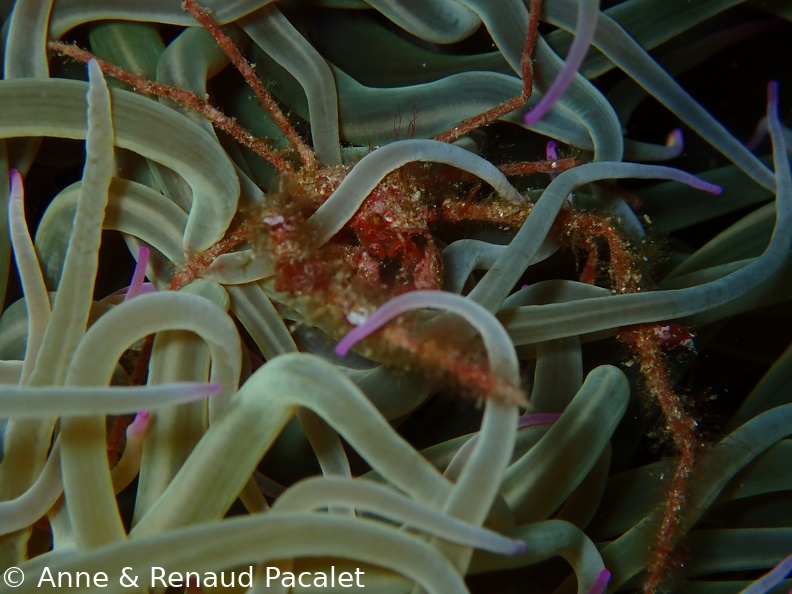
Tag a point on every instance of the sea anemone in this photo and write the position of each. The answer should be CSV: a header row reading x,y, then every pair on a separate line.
x,y
278,401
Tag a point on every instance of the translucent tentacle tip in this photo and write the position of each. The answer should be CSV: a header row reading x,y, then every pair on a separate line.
x,y
209,388
550,150
772,95
601,583
676,141
675,137
345,344
520,547
374,322
761,128
760,133
706,186
16,181
139,275
139,426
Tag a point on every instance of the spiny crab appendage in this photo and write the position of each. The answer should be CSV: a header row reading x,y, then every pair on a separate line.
x,y
387,248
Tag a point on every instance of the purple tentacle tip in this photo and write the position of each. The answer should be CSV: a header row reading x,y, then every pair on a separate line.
x,y
139,425
15,178
386,312
520,547
758,136
601,583
553,94
761,128
772,93
676,137
139,275
584,32
16,187
550,151
713,189
346,343
552,155
703,185
676,142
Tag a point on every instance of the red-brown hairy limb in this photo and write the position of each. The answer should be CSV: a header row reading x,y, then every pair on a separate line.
x,y
646,343
196,267
189,100
530,43
253,81
116,437
516,102
531,167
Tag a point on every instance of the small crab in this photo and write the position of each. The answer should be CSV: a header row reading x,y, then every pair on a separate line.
x,y
394,245
387,247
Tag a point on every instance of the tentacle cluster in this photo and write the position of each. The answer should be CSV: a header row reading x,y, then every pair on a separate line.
x,y
297,219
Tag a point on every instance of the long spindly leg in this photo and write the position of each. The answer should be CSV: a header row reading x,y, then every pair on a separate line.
x,y
253,81
516,102
185,98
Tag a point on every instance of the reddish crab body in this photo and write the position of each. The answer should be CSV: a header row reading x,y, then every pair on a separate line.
x,y
385,249
393,243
